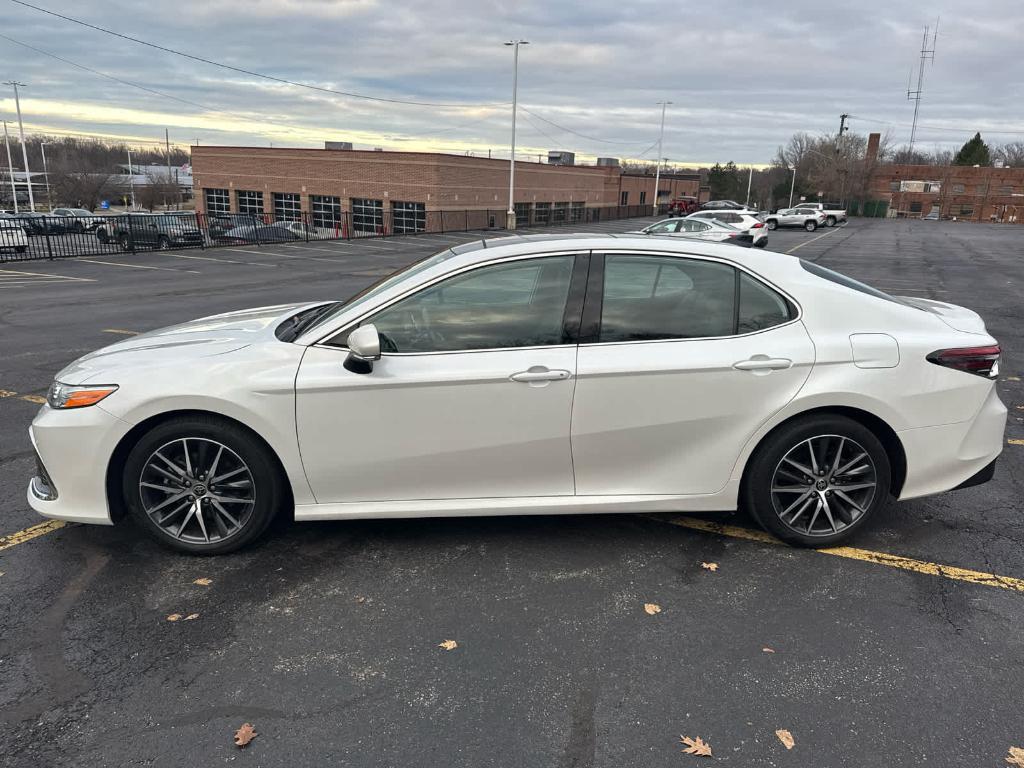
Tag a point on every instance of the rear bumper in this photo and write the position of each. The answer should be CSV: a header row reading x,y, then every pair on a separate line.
x,y
954,455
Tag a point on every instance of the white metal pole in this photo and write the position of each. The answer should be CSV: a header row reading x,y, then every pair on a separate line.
x,y
10,167
657,168
131,178
510,215
46,175
750,180
792,186
24,150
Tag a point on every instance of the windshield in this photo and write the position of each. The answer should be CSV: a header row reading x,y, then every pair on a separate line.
x,y
374,290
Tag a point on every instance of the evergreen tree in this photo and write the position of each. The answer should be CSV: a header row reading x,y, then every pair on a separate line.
x,y
974,152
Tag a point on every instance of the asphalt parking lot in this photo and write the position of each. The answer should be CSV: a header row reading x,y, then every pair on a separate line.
x,y
326,636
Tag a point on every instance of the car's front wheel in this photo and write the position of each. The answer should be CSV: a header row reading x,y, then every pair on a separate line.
x,y
201,485
810,226
163,243
816,481
772,224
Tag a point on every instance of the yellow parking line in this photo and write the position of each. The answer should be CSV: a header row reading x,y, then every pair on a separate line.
x,y
1015,442
852,553
20,537
808,242
47,274
37,399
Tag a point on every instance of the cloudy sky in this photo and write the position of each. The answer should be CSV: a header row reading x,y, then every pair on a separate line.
x,y
743,76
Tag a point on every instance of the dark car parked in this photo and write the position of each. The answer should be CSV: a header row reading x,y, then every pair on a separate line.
x,y
261,233
42,224
152,230
219,224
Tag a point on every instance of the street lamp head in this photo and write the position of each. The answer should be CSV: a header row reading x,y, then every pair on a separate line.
x,y
518,42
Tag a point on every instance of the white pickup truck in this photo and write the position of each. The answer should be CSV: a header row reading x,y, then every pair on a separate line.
x,y
833,214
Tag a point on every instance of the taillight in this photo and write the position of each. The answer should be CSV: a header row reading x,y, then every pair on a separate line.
x,y
758,225
983,361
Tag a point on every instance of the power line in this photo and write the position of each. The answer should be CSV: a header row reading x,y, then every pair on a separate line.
x,y
935,127
248,72
568,130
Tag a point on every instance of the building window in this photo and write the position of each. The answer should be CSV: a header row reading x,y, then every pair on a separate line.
x,y
624,198
894,186
643,198
367,216
408,217
966,210
959,189
326,211
577,212
915,207
982,189
217,201
560,214
932,187
1006,189
249,202
287,207
522,214
542,213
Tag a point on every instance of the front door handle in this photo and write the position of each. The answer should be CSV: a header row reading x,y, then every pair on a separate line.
x,y
540,373
763,363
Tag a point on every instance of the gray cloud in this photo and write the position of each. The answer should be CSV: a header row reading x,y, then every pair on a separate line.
x,y
743,76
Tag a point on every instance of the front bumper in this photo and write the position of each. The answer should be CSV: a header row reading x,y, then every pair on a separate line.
x,y
74,449
952,456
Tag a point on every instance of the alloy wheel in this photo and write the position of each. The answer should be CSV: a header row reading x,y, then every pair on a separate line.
x,y
197,490
823,485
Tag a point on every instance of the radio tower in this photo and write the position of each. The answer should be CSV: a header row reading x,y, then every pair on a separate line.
x,y
927,54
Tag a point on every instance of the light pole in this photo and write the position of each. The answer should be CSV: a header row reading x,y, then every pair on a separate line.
x,y
792,185
510,216
46,175
24,151
131,179
657,170
10,167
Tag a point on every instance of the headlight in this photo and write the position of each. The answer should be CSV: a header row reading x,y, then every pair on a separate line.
x,y
64,396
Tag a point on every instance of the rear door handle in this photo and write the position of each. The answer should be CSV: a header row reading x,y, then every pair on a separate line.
x,y
763,363
540,373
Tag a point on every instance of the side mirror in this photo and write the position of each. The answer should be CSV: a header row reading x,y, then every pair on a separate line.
x,y
364,348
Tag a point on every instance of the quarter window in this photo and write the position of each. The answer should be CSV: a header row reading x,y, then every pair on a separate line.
x,y
515,304
217,201
661,297
760,306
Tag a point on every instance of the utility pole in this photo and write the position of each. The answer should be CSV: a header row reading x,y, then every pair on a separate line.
x,y
46,175
510,217
657,170
792,186
131,179
167,140
10,167
24,151
750,180
915,96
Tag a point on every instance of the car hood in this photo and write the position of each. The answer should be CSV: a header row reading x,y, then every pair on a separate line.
x,y
194,340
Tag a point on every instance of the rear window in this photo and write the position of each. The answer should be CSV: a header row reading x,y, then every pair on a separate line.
x,y
848,282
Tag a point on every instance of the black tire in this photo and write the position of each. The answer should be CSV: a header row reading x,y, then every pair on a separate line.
x,y
102,236
772,224
830,221
163,243
125,242
261,470
20,248
771,456
810,226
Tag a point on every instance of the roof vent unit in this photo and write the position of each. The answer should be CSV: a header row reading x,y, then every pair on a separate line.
x,y
558,157
337,145
608,162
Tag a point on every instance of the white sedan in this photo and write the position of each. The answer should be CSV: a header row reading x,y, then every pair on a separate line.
x,y
748,221
561,374
709,230
12,236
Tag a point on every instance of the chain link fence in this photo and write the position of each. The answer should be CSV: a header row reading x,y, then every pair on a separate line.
x,y
35,236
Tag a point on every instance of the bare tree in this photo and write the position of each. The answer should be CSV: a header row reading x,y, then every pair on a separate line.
x,y
1012,154
157,191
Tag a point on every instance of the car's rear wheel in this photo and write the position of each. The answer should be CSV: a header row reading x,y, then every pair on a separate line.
x,y
816,481
810,226
201,485
772,224
125,242
163,243
830,221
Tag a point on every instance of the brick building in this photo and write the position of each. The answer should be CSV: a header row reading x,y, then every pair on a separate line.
x,y
402,191
975,193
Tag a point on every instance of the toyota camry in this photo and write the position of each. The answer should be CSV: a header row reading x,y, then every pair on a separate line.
x,y
533,375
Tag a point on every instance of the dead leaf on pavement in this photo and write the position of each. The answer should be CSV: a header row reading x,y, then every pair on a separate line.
x,y
448,645
652,608
245,734
174,617
710,566
1016,757
360,599
696,746
192,616
785,737
203,582
766,649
